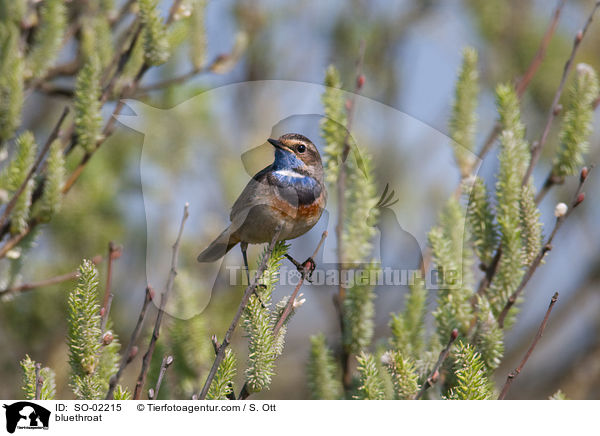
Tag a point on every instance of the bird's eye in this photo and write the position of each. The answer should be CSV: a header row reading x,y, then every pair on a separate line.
x,y
301,148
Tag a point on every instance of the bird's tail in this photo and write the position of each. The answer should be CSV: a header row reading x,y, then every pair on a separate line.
x,y
217,249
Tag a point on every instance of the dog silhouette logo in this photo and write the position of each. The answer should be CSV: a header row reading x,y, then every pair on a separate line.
x,y
26,415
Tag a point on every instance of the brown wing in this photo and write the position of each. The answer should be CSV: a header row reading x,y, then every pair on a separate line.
x,y
251,195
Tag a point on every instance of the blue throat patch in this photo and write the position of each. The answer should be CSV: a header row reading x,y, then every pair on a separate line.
x,y
286,160
295,187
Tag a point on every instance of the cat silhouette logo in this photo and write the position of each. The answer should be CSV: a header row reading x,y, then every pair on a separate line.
x,y
26,415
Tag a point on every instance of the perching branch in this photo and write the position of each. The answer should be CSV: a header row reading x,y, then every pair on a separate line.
x,y
227,339
435,372
131,350
578,199
536,148
307,267
163,301
538,336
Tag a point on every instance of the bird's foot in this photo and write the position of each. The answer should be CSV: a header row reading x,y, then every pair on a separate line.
x,y
305,268
259,285
308,266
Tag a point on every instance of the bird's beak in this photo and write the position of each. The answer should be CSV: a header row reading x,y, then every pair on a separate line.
x,y
276,143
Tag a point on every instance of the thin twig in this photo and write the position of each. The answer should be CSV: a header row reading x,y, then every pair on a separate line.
x,y
163,301
435,372
537,147
541,52
46,282
526,78
538,336
38,381
172,81
107,131
131,349
114,21
578,198
166,362
307,267
53,135
104,312
114,252
227,338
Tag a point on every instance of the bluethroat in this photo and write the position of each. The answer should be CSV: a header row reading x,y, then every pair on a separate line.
x,y
289,193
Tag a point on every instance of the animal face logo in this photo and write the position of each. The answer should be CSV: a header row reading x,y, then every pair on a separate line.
x,y
26,415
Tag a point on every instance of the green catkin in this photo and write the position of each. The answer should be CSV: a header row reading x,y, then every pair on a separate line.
x,y
47,39
322,372
463,120
577,123
156,45
88,118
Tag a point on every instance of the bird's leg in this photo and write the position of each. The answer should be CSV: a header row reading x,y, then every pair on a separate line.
x,y
308,266
244,247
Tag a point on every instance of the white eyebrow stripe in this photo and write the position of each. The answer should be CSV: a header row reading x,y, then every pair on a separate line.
x,y
289,173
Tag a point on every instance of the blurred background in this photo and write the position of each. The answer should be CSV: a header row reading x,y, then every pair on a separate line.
x,y
189,142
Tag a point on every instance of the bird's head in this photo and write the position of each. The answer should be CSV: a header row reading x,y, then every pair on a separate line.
x,y
296,152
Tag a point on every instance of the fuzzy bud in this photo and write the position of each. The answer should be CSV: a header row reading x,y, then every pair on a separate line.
x,y
579,36
583,175
360,81
579,199
386,358
560,210
348,104
298,302
557,109
107,338
168,361
454,334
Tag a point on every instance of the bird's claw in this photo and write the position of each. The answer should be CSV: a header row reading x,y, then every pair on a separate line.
x,y
307,268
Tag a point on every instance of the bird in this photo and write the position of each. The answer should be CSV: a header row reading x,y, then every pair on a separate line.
x,y
287,196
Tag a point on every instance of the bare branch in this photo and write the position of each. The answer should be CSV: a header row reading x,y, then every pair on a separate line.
x,y
131,350
523,82
38,381
536,148
435,372
166,362
227,339
307,267
46,282
163,301
538,336
577,199
53,135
